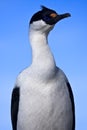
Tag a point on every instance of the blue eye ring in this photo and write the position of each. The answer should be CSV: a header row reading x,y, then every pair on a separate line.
x,y
46,18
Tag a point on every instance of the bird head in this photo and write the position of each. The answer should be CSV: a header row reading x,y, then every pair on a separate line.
x,y
45,19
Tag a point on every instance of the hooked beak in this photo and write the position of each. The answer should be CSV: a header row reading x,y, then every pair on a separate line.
x,y
62,16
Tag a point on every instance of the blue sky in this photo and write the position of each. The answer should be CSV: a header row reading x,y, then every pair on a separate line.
x,y
68,42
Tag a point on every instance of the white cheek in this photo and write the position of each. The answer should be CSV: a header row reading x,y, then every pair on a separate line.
x,y
39,24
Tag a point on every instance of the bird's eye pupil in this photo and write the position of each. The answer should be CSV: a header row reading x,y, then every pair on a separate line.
x,y
46,18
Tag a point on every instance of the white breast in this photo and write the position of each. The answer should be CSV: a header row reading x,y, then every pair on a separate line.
x,y
44,105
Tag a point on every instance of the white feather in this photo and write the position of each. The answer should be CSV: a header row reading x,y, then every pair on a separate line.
x,y
44,97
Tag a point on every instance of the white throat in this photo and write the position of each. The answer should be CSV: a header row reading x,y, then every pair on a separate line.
x,y
42,58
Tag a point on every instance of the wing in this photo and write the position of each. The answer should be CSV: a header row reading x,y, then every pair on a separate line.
x,y
72,101
14,107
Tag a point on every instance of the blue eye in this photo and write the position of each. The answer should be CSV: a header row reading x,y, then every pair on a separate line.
x,y
46,18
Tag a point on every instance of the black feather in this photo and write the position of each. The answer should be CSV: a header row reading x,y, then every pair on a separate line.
x,y
14,107
72,101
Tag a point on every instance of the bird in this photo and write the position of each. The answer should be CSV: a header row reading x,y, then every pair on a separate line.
x,y
42,97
